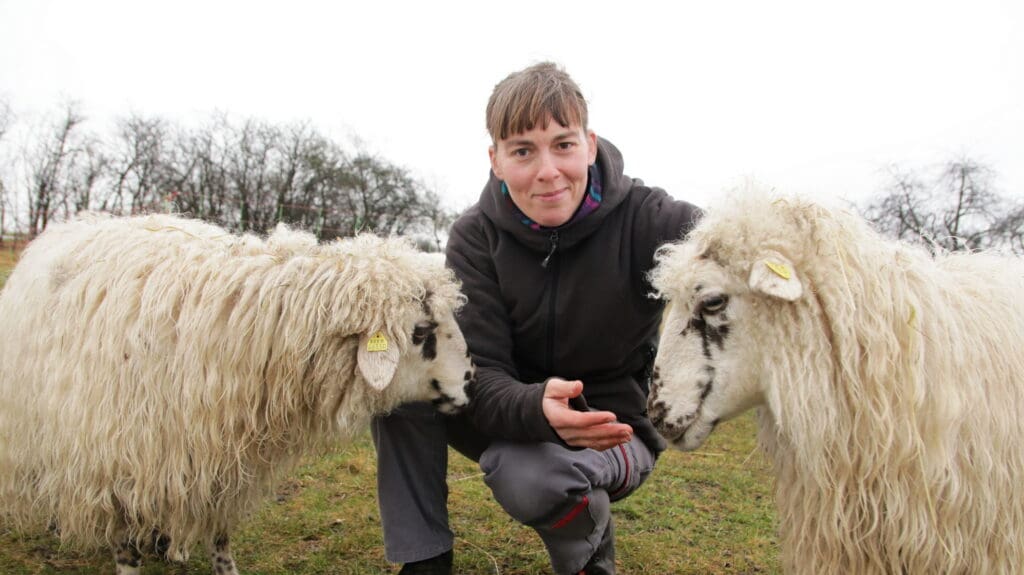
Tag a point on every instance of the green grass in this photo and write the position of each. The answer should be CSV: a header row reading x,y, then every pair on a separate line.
x,y
704,512
8,258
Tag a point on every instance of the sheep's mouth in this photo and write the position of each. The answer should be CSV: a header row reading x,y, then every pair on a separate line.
x,y
676,429
693,434
675,432
448,404
673,429
674,437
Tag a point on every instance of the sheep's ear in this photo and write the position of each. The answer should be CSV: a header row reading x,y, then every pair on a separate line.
x,y
774,275
377,358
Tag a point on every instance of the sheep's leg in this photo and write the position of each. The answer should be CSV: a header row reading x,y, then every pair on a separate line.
x,y
128,558
223,563
162,548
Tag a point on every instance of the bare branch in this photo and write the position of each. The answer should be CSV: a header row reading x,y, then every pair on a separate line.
x,y
959,210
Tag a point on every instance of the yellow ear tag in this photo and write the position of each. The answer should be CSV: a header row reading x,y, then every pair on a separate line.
x,y
377,343
780,270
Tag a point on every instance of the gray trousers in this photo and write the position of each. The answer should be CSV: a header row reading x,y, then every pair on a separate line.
x,y
563,494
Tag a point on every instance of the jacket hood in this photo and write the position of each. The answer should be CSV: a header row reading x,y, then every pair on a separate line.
x,y
616,185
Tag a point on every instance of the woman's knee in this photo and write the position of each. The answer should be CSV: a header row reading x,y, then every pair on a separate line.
x,y
531,481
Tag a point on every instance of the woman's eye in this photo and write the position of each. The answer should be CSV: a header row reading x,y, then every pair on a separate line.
x,y
713,304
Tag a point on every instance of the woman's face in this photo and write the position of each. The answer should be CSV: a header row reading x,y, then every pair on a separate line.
x,y
545,170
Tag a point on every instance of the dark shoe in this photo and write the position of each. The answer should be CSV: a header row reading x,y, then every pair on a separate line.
x,y
602,562
437,565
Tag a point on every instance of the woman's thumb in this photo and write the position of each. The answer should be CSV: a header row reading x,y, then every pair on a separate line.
x,y
562,389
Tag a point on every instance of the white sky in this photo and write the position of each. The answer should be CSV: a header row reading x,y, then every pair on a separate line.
x,y
814,97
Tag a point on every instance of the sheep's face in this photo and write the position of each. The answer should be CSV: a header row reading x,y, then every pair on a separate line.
x,y
438,364
433,364
706,368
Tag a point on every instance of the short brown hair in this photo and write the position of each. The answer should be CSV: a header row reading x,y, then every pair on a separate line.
x,y
536,94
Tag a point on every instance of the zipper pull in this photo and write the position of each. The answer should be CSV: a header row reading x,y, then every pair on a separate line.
x,y
551,252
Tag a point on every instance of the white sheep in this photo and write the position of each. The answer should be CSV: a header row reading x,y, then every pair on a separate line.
x,y
158,375
890,384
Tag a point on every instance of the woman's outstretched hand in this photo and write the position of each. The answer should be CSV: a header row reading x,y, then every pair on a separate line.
x,y
594,429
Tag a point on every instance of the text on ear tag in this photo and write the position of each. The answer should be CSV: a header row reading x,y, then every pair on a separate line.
x,y
377,343
781,270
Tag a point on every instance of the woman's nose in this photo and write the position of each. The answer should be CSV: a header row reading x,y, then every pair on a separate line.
x,y
548,168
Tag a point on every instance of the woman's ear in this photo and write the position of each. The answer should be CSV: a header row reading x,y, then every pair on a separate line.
x,y
495,165
592,147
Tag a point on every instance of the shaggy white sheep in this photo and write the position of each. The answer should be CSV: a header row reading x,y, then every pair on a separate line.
x,y
158,375
890,384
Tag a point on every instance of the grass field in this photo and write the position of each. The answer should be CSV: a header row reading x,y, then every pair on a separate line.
x,y
7,260
705,512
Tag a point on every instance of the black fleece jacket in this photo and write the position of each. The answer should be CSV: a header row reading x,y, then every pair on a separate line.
x,y
584,315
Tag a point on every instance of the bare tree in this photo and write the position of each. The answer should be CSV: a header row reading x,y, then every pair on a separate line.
x,y
250,161
245,175
60,168
86,168
6,118
1011,229
227,173
437,220
137,166
956,209
309,164
377,196
198,172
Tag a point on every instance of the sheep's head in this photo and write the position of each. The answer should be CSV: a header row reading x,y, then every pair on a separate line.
x,y
418,353
392,310
707,368
433,364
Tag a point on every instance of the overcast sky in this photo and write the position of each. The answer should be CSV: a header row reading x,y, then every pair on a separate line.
x,y
814,97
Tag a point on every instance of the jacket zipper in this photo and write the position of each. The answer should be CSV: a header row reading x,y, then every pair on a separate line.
x,y
551,302
551,251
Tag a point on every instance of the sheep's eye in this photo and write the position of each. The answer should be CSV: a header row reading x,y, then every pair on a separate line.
x,y
713,304
422,330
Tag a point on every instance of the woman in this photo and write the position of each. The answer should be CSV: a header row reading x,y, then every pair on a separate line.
x,y
553,261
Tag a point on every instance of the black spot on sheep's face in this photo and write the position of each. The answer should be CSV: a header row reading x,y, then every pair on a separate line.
x,y
425,335
711,322
445,368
